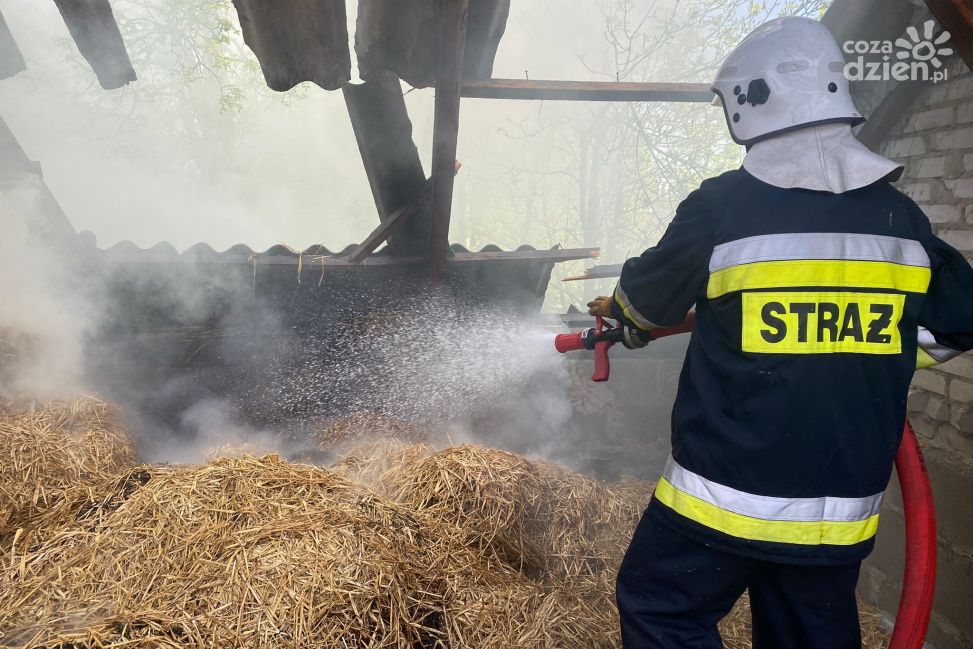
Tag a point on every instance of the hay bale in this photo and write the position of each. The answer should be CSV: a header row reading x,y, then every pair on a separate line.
x,y
50,449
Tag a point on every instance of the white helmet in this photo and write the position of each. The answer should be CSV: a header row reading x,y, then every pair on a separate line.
x,y
787,74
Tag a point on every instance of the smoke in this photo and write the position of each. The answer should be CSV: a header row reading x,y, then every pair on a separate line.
x,y
195,153
42,325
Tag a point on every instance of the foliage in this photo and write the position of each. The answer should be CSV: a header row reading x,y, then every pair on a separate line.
x,y
611,174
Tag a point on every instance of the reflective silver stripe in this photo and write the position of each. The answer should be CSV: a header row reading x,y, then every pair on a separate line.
x,y
769,508
630,311
818,245
940,353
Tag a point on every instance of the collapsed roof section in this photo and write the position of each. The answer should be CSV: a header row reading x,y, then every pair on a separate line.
x,y
407,41
298,41
308,41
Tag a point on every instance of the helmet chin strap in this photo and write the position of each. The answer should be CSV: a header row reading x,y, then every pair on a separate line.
x,y
826,157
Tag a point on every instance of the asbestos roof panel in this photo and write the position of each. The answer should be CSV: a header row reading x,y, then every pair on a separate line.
x,y
241,250
407,41
94,30
298,41
11,60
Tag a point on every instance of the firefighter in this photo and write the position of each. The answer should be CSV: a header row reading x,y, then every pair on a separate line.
x,y
817,286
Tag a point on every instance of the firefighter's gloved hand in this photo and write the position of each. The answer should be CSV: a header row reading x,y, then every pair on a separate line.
x,y
601,306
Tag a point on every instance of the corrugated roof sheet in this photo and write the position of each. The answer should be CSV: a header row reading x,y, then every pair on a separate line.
x,y
298,41
93,28
407,40
283,254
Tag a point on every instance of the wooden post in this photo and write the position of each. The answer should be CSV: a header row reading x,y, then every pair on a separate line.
x,y
449,85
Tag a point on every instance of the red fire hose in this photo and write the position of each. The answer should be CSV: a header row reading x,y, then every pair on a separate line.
x,y
919,579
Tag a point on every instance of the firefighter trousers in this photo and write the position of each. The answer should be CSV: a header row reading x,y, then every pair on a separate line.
x,y
672,591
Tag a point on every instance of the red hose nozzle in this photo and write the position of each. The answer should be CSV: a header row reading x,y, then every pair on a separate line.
x,y
565,343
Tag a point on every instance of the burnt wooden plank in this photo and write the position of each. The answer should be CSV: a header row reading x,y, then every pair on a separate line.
x,y
586,90
385,229
597,272
92,26
446,129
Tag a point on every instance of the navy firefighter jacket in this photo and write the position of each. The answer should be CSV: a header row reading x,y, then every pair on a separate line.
x,y
812,311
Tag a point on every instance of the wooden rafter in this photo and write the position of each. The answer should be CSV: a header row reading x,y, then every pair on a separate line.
x,y
586,90
446,129
387,228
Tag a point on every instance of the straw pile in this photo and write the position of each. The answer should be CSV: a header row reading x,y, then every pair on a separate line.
x,y
54,448
264,553
397,546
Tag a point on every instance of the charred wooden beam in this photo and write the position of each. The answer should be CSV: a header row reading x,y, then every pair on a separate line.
x,y
384,134
586,90
92,26
386,229
11,60
446,129
956,16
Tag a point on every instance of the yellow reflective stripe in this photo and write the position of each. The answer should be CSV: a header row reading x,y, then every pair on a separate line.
x,y
634,316
818,272
924,360
755,529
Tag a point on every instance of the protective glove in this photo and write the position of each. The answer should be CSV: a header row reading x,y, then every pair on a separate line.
x,y
601,306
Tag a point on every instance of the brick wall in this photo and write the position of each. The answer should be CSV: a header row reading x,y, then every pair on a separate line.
x,y
934,141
